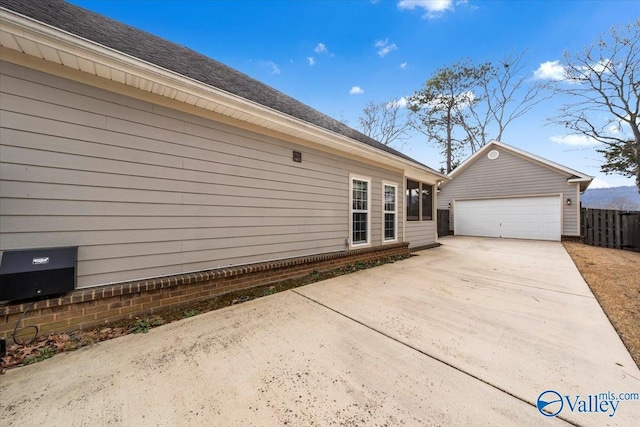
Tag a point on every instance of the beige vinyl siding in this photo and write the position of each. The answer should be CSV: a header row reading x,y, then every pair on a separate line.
x,y
511,175
147,191
420,233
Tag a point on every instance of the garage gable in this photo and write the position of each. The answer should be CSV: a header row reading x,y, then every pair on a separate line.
x,y
499,171
507,174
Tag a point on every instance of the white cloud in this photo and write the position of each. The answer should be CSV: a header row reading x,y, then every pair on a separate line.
x,y
433,8
599,183
553,70
272,65
400,102
356,90
550,70
311,60
403,66
321,49
384,47
573,139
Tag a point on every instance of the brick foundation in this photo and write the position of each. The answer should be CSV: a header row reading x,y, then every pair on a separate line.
x,y
565,238
423,247
85,308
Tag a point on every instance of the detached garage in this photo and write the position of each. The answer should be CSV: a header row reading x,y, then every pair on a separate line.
x,y
502,191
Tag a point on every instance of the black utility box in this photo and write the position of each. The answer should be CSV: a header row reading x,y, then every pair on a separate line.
x,y
34,273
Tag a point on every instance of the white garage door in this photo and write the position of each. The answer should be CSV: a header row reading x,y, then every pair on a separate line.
x,y
522,218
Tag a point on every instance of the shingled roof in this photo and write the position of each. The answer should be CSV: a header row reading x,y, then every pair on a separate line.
x,y
181,60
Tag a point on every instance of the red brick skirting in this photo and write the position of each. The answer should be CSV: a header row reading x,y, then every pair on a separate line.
x,y
423,247
85,308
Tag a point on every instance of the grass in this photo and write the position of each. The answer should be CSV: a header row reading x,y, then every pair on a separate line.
x,y
43,354
190,313
142,325
46,346
613,275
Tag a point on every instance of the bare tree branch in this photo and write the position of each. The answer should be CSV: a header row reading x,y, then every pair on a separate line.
x,y
464,106
386,122
604,83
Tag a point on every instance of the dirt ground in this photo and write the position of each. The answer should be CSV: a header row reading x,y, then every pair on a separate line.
x,y
614,278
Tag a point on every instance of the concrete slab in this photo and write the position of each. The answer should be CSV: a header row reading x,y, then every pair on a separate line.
x,y
280,360
514,313
469,333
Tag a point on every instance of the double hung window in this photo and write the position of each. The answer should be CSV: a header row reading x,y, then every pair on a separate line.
x,y
360,211
390,223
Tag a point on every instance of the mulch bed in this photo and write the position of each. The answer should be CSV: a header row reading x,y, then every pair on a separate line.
x,y
614,278
44,347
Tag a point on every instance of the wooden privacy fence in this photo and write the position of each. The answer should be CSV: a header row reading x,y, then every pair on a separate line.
x,y
611,228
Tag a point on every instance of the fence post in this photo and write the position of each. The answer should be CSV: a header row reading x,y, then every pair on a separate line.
x,y
618,230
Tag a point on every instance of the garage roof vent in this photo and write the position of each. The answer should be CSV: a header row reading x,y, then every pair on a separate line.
x,y
493,154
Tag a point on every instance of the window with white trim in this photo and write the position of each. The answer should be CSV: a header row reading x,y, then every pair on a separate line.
x,y
360,206
389,212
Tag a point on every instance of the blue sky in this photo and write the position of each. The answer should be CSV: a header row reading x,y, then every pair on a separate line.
x,y
337,55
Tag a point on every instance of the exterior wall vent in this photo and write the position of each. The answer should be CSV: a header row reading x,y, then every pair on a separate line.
x,y
493,154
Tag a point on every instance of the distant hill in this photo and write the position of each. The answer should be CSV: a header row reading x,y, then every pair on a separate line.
x,y
619,198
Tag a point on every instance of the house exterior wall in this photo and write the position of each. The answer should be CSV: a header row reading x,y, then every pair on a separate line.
x,y
511,175
147,191
85,308
420,233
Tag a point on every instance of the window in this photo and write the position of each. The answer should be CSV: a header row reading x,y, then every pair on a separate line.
x,y
360,202
413,200
389,212
427,201
419,201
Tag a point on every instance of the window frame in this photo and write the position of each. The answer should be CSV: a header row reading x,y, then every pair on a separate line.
x,y
394,212
407,201
352,178
420,200
431,187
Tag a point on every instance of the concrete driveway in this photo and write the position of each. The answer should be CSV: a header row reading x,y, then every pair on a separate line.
x,y
466,334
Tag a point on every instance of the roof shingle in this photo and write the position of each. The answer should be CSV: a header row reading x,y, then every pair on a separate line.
x,y
181,60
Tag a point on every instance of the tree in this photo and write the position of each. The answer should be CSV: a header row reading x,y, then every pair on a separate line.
x,y
442,105
342,118
386,122
464,106
621,203
603,82
620,158
506,96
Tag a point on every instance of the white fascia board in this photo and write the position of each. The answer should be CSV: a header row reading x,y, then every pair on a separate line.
x,y
542,160
583,183
469,161
418,175
62,41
